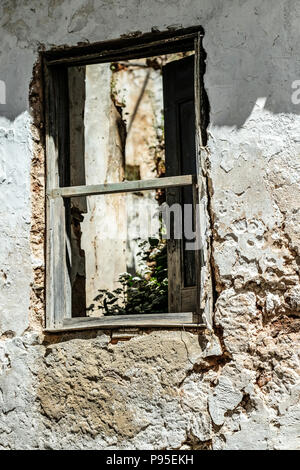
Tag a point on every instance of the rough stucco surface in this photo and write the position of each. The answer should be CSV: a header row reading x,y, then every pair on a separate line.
x,y
238,388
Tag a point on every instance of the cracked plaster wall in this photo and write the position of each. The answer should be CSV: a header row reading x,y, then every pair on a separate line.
x,y
237,387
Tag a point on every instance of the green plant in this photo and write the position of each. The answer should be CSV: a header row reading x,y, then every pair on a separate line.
x,y
147,293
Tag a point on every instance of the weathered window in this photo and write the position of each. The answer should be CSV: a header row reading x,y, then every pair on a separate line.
x,y
123,215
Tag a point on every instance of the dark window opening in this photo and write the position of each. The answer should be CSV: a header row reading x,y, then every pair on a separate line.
x,y
123,179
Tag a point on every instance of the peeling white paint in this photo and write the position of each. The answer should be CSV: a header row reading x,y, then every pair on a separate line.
x,y
254,174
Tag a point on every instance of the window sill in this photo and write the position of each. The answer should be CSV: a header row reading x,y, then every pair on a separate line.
x,y
151,320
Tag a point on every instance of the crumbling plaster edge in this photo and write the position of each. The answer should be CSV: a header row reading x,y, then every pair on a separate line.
x,y
38,221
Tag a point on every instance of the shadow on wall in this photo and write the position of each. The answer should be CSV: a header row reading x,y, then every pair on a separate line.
x,y
252,52
16,74
232,103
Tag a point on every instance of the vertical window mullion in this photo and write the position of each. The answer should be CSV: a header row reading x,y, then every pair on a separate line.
x,y
57,288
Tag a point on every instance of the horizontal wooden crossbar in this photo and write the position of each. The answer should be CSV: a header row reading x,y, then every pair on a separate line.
x,y
124,187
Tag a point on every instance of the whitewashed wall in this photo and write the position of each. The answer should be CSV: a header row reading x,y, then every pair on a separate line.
x,y
164,390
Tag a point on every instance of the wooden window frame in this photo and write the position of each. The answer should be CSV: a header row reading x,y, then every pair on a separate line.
x,y
58,289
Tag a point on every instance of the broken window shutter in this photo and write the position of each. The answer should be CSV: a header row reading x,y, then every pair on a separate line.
x,y
179,111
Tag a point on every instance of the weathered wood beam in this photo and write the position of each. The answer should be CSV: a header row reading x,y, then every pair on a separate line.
x,y
124,187
144,321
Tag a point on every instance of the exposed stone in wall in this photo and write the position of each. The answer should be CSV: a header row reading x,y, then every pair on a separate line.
x,y
170,389
37,185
